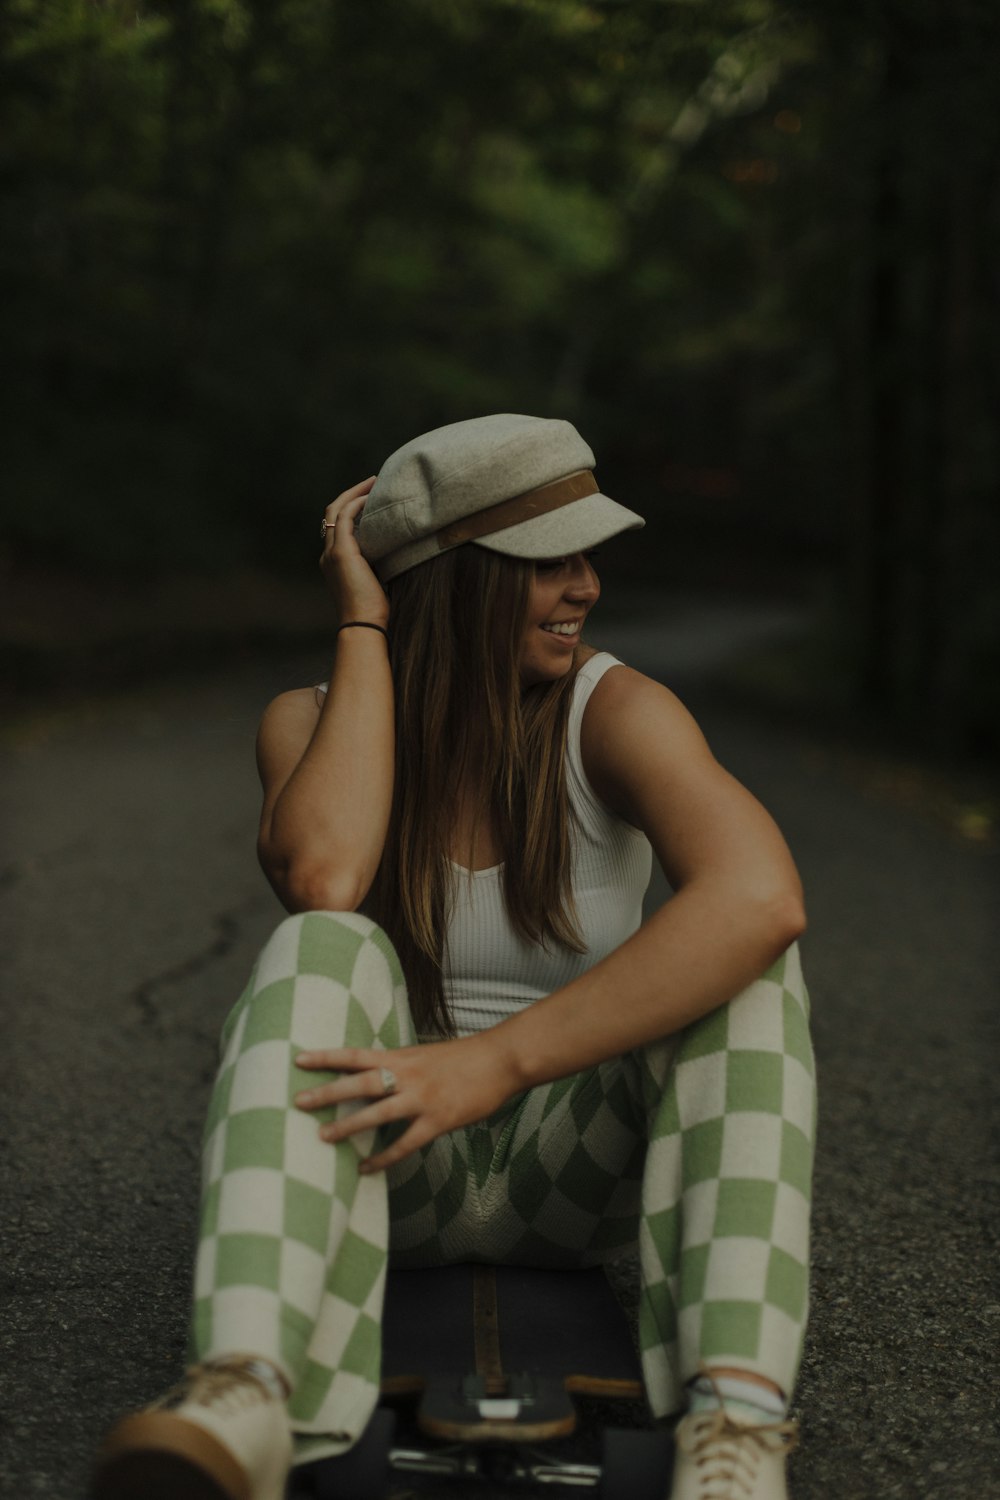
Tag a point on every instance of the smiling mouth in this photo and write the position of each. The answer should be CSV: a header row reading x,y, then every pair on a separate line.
x,y
563,628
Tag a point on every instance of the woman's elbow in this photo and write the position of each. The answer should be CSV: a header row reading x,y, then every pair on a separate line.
x,y
331,892
315,887
786,919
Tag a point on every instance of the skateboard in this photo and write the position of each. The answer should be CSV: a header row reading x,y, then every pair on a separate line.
x,y
495,1360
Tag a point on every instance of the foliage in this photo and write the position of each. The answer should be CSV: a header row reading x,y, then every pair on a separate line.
x,y
250,245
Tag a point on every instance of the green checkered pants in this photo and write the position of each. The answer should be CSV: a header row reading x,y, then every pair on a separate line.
x,y
698,1148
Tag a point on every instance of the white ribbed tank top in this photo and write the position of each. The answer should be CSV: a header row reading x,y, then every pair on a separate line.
x,y
489,971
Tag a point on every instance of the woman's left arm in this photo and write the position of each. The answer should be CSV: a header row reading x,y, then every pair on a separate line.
x,y
737,906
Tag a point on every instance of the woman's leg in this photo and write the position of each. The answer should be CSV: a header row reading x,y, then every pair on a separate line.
x,y
724,1238
292,1255
553,1179
699,1146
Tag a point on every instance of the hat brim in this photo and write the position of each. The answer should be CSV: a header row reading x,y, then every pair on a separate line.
x,y
577,527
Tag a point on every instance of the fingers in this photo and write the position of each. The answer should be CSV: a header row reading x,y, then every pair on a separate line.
x,y
365,1085
345,511
385,1109
361,1078
382,1112
340,512
357,593
410,1141
341,1059
356,492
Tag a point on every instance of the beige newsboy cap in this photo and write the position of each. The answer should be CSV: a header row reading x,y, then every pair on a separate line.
x,y
518,485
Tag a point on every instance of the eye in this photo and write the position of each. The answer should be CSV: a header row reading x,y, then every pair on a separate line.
x,y
553,564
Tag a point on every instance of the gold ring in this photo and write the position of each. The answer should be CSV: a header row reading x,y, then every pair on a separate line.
x,y
324,526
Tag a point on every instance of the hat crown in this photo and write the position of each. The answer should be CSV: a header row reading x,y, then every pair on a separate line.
x,y
462,468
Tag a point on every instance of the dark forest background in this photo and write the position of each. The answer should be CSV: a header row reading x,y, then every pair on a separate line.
x,y
751,248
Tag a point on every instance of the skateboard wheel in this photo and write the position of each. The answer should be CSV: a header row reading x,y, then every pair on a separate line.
x,y
362,1473
635,1463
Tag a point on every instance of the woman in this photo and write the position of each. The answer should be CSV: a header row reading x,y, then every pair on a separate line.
x,y
472,802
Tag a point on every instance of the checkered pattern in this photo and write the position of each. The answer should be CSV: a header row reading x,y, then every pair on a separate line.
x,y
724,1231
551,1180
699,1147
291,1261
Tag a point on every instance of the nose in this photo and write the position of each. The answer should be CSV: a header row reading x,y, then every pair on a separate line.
x,y
583,585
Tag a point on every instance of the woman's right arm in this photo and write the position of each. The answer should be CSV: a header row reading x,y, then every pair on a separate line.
x,y
327,773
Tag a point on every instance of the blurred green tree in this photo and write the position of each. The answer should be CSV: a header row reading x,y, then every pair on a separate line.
x,y
248,246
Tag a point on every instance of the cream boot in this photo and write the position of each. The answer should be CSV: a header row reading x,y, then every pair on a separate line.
x,y
721,1458
222,1434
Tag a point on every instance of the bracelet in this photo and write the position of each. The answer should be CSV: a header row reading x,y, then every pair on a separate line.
x,y
365,625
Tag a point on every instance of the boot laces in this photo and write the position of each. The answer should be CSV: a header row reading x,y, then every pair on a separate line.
x,y
727,1453
227,1386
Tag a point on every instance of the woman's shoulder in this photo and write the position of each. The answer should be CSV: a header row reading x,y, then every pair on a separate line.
x,y
294,702
633,722
291,714
617,686
611,686
592,666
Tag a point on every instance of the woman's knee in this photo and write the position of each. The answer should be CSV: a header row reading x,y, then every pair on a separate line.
x,y
323,942
323,979
292,927
324,963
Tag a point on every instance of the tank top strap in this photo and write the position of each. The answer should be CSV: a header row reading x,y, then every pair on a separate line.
x,y
591,811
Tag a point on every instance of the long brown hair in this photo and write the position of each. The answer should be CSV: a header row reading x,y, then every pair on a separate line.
x,y
461,713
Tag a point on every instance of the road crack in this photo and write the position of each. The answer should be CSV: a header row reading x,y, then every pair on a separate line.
x,y
146,997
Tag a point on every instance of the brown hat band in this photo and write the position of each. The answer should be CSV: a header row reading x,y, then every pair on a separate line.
x,y
520,508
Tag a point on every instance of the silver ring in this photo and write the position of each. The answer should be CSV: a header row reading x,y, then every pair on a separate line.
x,y
389,1084
325,526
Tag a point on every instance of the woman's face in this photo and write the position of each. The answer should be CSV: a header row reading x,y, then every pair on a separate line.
x,y
563,591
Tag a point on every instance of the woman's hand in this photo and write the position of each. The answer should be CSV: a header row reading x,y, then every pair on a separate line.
x,y
357,591
439,1087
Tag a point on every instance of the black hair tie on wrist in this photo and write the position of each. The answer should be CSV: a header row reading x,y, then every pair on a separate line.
x,y
365,625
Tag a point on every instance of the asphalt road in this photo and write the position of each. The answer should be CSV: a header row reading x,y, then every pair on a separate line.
x,y
132,909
